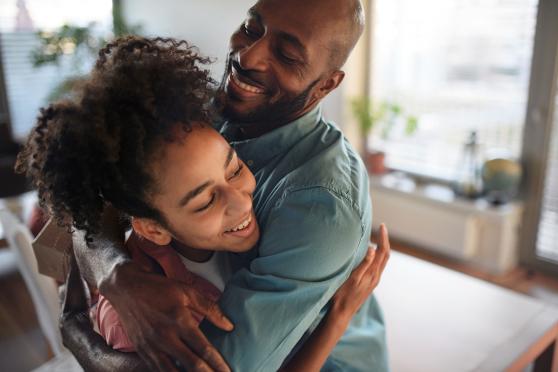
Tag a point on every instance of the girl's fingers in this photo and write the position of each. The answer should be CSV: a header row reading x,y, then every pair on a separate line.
x,y
377,267
363,267
384,238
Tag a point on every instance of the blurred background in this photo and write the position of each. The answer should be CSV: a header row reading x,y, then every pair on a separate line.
x,y
453,107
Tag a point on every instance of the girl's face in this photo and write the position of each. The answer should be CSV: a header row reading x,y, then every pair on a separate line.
x,y
204,191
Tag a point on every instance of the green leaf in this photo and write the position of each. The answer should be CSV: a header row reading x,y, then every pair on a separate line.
x,y
361,110
412,125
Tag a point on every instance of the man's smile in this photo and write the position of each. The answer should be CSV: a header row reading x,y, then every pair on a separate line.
x,y
236,79
241,85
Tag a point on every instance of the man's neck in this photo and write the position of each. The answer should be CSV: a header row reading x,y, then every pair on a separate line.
x,y
254,130
257,129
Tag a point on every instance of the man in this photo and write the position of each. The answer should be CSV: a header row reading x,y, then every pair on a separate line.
x,y
311,201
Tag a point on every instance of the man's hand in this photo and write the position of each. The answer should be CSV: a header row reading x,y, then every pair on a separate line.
x,y
156,313
88,347
362,281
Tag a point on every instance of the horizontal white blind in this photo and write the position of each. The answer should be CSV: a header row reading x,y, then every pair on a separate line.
x,y
547,237
28,87
457,65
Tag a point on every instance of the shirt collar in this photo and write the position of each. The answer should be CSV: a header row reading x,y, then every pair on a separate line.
x,y
256,152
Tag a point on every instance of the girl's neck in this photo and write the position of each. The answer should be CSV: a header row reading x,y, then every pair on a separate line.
x,y
196,255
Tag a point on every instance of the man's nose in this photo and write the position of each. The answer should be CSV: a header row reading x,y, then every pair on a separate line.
x,y
254,57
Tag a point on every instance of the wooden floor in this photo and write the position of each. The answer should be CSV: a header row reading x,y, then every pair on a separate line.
x,y
23,346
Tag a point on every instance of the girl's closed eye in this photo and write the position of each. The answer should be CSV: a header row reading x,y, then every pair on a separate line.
x,y
207,205
238,170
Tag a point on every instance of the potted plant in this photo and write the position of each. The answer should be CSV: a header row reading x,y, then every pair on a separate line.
x,y
383,117
81,42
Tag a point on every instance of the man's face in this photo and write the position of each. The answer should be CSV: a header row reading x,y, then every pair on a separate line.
x,y
277,60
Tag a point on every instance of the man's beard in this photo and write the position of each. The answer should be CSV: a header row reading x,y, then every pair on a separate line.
x,y
270,114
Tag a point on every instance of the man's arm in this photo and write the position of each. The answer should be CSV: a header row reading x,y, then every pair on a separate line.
x,y
345,303
99,258
156,312
310,242
77,334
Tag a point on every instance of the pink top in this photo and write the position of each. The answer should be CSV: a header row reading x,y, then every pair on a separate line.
x,y
148,256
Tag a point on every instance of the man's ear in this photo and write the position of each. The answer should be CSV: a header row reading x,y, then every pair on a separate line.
x,y
151,230
329,84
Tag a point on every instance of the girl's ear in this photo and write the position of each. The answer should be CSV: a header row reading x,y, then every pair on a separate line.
x,y
151,230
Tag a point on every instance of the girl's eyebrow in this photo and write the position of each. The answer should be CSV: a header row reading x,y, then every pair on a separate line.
x,y
193,193
229,157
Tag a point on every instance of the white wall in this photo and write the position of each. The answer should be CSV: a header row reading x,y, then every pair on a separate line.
x,y
207,24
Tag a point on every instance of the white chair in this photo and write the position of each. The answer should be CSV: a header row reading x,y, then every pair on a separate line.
x,y
61,363
43,289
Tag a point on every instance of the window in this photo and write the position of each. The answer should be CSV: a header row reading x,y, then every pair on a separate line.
x,y
27,87
458,66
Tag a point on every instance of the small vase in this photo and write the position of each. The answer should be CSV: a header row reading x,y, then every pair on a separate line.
x,y
375,162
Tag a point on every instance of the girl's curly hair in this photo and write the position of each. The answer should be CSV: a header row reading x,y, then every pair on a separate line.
x,y
95,149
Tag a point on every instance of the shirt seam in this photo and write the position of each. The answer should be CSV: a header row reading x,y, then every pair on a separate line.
x,y
290,190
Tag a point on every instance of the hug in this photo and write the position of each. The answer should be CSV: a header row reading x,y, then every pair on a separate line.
x,y
225,225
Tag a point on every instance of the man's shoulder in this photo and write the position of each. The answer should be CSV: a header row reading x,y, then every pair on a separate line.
x,y
327,161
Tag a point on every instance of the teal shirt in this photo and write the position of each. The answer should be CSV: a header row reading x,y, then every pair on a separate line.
x,y
314,210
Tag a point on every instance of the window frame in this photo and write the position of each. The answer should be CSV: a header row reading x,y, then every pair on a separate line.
x,y
6,135
537,132
537,127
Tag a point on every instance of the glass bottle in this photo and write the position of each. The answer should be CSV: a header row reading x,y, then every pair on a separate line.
x,y
469,179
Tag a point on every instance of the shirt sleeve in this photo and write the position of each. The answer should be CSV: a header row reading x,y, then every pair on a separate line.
x,y
308,246
111,328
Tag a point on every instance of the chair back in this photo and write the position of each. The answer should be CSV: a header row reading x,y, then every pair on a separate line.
x,y
43,289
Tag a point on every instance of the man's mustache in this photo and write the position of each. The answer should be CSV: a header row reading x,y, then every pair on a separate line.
x,y
247,75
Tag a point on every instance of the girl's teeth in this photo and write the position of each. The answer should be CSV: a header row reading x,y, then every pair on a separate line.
x,y
242,225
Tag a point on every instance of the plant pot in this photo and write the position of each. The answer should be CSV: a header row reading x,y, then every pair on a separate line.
x,y
375,162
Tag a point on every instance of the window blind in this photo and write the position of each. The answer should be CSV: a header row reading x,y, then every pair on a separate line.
x,y
27,87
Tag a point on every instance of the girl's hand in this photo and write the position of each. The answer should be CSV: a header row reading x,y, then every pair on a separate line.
x,y
362,281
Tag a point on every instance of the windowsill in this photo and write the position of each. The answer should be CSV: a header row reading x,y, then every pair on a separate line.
x,y
439,194
431,216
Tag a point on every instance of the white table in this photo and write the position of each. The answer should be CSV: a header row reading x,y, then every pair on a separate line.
x,y
441,320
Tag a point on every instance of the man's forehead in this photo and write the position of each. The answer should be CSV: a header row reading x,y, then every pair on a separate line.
x,y
319,11
294,20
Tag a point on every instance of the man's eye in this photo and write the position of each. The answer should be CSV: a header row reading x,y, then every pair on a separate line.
x,y
250,31
285,58
208,204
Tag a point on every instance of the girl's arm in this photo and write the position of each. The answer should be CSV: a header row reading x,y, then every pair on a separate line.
x,y
345,303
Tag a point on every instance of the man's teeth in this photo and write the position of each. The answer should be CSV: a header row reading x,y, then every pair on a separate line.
x,y
242,226
246,87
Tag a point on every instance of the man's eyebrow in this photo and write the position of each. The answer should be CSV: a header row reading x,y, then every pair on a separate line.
x,y
291,39
193,193
229,157
294,41
254,14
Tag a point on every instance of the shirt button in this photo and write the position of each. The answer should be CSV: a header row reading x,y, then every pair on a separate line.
x,y
250,163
